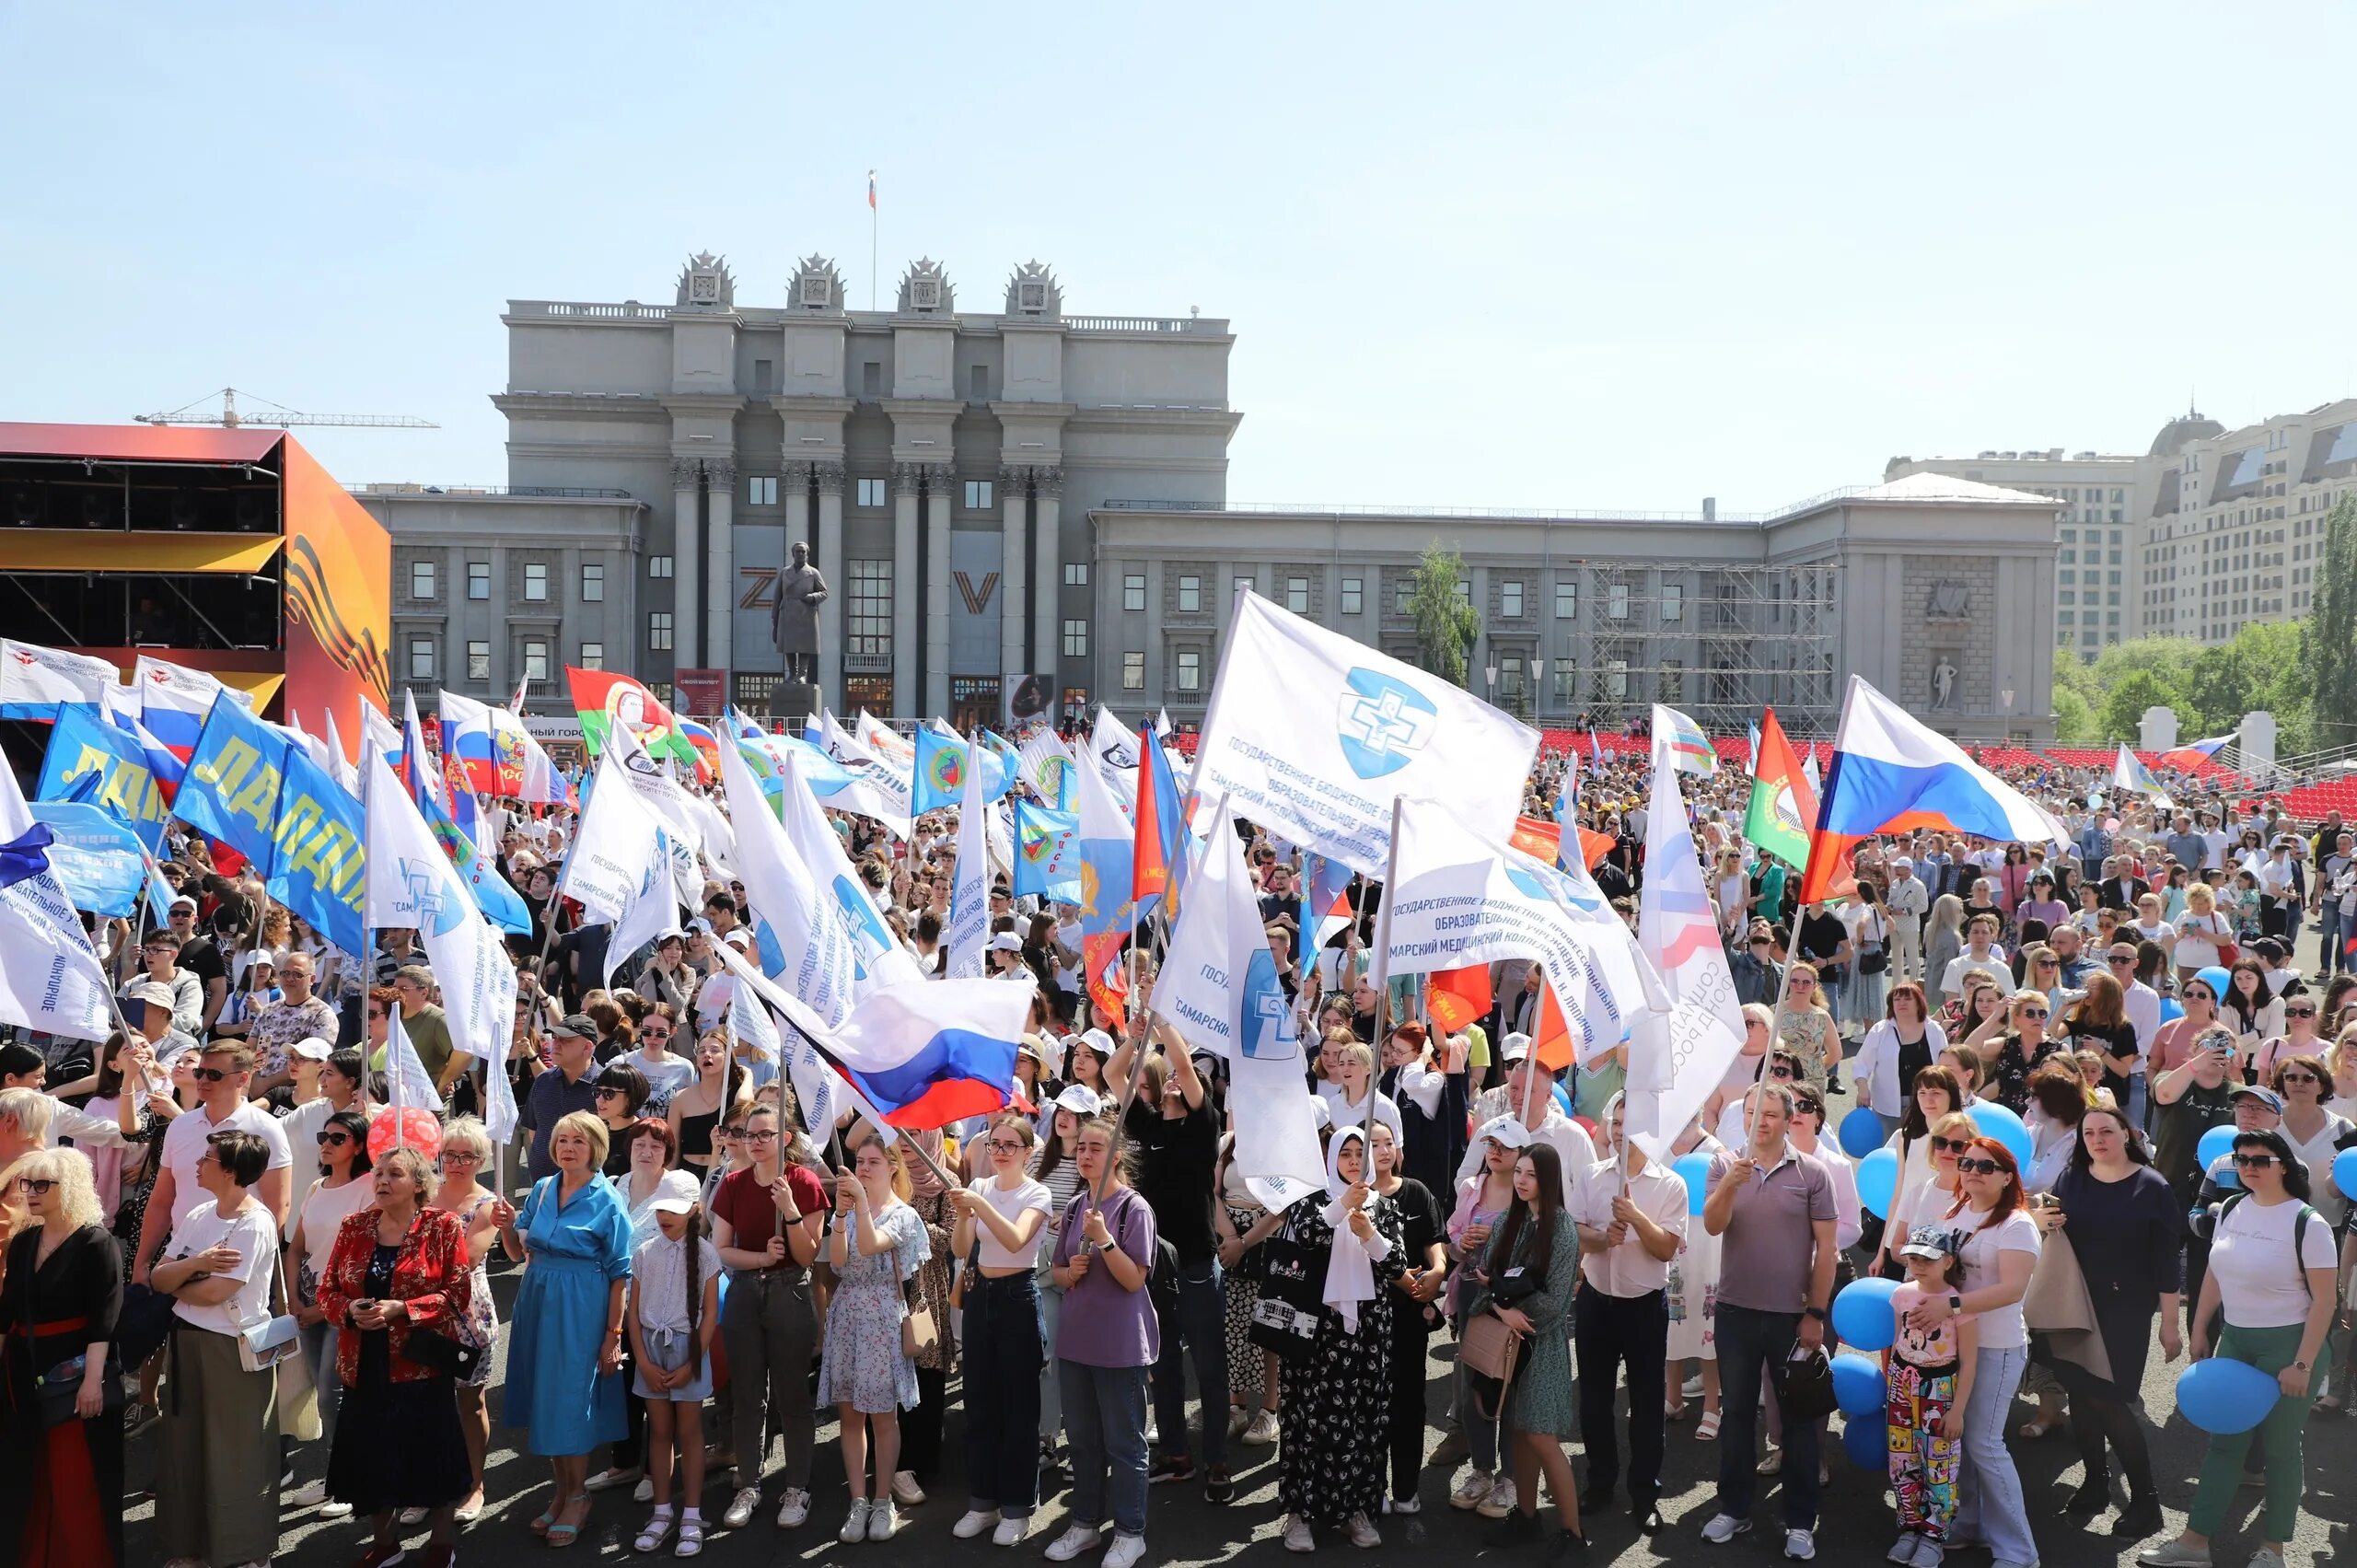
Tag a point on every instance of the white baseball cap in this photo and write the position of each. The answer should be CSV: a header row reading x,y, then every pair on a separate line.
x,y
1080,1100
1507,1130
312,1048
1514,1047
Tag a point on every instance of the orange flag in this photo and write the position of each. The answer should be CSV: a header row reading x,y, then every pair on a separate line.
x,y
1457,997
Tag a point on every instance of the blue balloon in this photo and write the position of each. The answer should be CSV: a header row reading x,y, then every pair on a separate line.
x,y
2224,1396
2344,1172
1878,1182
1867,1441
2171,1009
2216,977
1694,1169
1862,1134
1857,1385
1863,1315
1997,1122
2215,1145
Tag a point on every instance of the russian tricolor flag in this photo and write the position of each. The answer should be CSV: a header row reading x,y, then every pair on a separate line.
x,y
2195,754
927,1052
174,700
1891,774
1160,857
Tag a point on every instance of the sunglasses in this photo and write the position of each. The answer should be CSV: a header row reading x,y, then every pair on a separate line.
x,y
2123,958
729,1133
2048,963
654,1034
335,1140
2299,1012
2300,1078
610,1091
2033,1013
376,1012
1951,1146
1978,1166
2254,1162
210,1075
34,1186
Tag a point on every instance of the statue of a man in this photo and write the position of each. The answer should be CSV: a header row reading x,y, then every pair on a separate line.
x,y
1943,685
794,619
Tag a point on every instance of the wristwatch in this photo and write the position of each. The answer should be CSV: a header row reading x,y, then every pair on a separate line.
x,y
1956,1302
1816,1312
2299,1367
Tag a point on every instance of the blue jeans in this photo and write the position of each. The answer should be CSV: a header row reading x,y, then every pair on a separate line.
x,y
2332,961
1105,1419
1751,1340
1002,1360
1198,1325
1988,1490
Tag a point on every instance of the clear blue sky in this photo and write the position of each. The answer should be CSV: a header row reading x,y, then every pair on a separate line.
x,y
1567,255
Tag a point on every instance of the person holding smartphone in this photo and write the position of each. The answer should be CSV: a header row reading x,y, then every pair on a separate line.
x,y
2188,1100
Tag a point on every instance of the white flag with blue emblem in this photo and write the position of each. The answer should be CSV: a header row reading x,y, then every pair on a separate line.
x,y
1312,736
1219,989
968,929
877,960
799,933
411,883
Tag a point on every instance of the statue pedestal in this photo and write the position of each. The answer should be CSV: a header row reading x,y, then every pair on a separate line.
x,y
793,703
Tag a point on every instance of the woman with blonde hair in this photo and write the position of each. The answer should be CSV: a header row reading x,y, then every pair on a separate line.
x,y
2200,932
62,1294
1943,940
867,1370
1805,1026
2099,1019
2023,1049
466,1159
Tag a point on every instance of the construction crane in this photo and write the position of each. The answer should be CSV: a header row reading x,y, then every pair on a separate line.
x,y
277,417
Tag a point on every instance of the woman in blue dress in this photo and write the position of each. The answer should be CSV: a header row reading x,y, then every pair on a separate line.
x,y
568,1318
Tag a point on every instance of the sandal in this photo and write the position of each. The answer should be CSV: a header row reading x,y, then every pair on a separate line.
x,y
1673,1413
2031,1431
691,1538
546,1518
657,1531
565,1535
1708,1427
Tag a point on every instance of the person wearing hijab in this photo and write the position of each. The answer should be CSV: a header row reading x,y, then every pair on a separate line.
x,y
1336,1401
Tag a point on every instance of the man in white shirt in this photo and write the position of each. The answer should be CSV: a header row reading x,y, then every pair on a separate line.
x,y
1630,1221
221,1074
1527,1080
1981,954
2141,1005
2214,842
1907,902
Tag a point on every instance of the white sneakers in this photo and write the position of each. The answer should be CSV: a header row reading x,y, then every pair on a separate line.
x,y
792,1507
1010,1530
1363,1532
1472,1491
973,1522
1126,1552
854,1528
883,1520
1297,1536
1261,1430
740,1508
1724,1527
1800,1545
1500,1501
1072,1543
905,1489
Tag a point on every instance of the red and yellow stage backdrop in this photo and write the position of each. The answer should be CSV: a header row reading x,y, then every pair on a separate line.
x,y
338,600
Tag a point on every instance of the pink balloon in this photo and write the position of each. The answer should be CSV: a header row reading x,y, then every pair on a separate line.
x,y
418,1129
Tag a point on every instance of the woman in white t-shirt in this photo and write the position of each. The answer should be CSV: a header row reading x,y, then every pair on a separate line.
x,y
216,1484
1000,1219
2268,1300
2199,932
342,1190
1999,1244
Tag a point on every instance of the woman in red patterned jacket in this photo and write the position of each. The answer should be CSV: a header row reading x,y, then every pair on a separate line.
x,y
397,1288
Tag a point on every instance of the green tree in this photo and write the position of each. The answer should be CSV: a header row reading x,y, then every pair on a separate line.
x,y
1445,624
2258,670
2168,661
2124,705
2329,639
2076,723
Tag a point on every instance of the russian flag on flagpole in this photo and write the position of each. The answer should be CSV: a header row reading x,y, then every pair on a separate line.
x,y
924,1053
2195,753
1891,774
1161,857
174,700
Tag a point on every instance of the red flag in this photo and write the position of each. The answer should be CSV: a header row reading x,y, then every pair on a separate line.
x,y
1553,1047
1455,998
1537,838
1594,846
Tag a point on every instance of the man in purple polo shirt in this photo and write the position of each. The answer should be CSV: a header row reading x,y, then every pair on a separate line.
x,y
1773,1209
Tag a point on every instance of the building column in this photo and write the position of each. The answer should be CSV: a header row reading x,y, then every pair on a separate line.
x,y
938,586
720,582
687,561
906,573
1047,575
1014,572
794,482
827,552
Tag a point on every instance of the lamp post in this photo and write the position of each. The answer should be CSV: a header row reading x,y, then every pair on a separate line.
x,y
1538,682
1492,673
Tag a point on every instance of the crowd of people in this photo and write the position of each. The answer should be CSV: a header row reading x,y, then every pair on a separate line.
x,y
220,1241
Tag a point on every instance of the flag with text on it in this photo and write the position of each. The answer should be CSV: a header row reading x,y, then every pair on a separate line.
x,y
174,700
1460,898
877,787
35,680
1783,802
410,882
1679,1050
50,979
968,929
1107,906
2129,774
406,1080
1219,989
1313,736
620,867
1453,998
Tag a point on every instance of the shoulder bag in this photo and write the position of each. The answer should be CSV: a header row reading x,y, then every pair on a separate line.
x,y
262,1345
1284,1316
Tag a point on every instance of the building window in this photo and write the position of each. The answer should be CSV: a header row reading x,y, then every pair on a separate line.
x,y
764,374
1567,683
871,490
421,579
1510,600
535,660
871,378
1075,639
659,567
1190,669
479,580
1354,595
1510,674
1076,573
1673,680
593,583
1673,601
1403,592
978,490
1616,605
977,382
871,607
1567,600
761,490
1616,679
478,661
1297,595
1133,672
873,693
536,582
593,656
421,658
1190,595
1464,591
1133,590
659,631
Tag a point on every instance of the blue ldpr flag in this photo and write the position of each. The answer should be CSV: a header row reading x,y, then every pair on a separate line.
x,y
230,791
320,867
83,747
98,860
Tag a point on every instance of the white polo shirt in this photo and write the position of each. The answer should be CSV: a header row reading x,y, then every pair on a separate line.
x,y
1629,1270
184,1145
